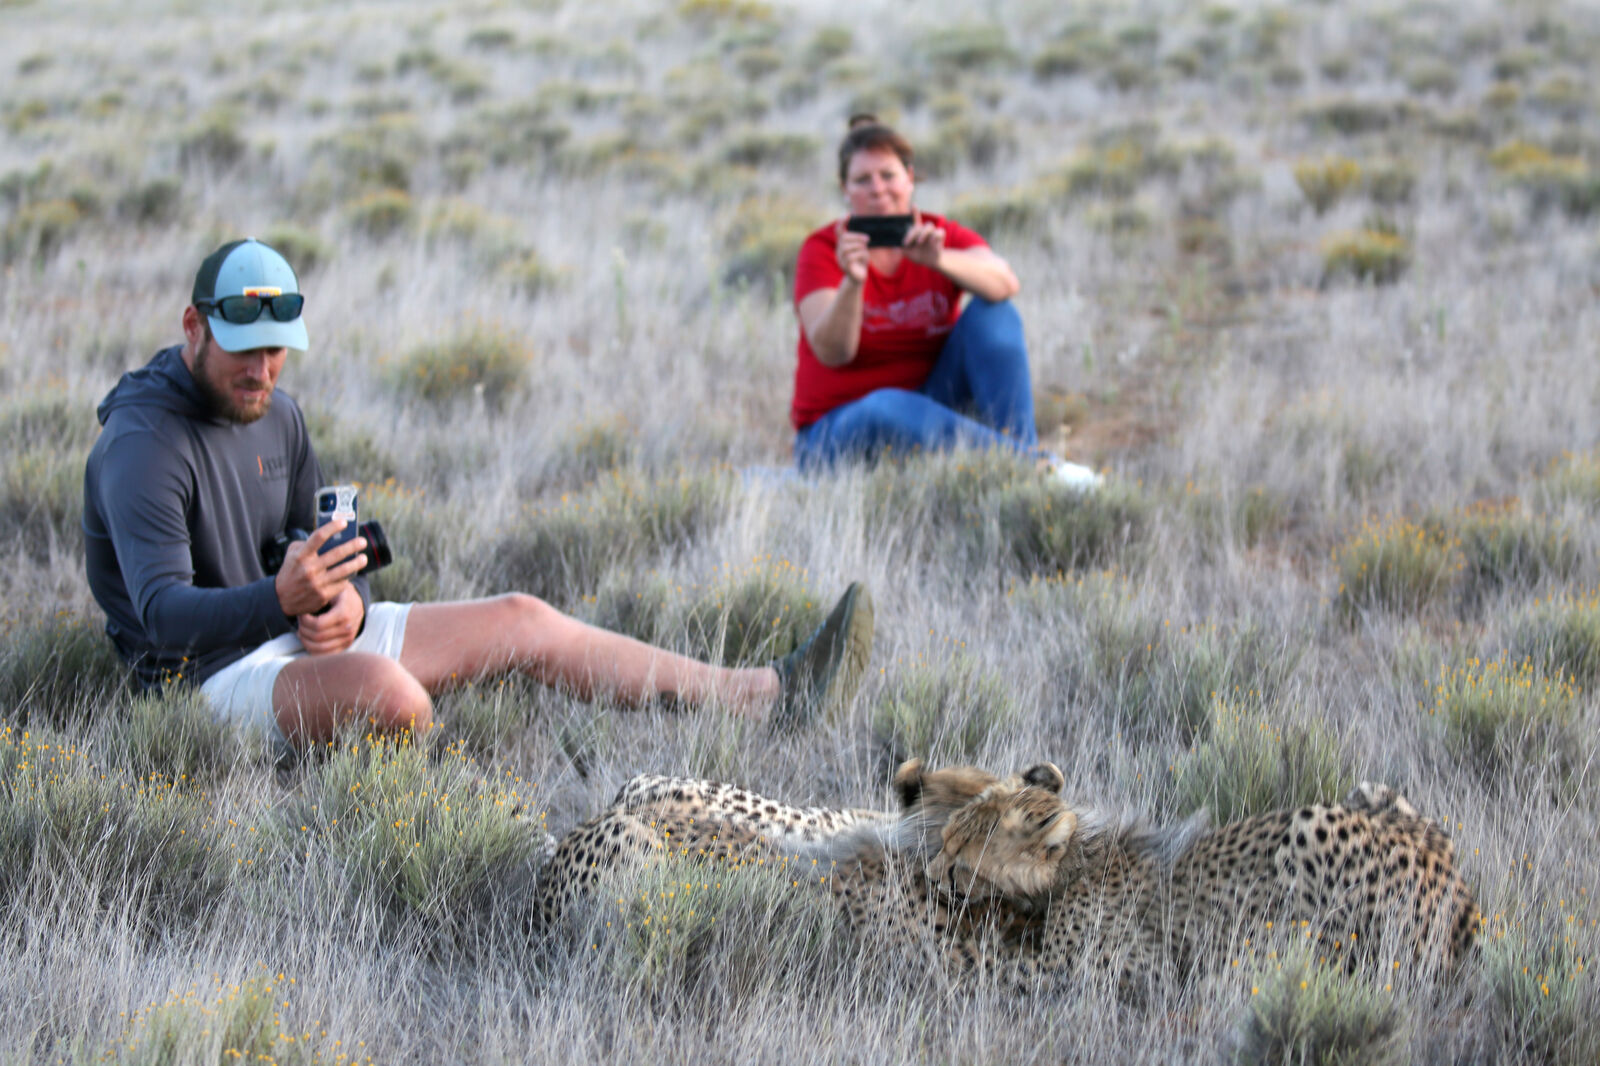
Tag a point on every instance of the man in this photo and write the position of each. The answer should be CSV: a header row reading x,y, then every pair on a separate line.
x,y
201,462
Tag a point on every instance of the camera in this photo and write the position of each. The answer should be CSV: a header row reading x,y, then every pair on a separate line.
x,y
883,231
379,554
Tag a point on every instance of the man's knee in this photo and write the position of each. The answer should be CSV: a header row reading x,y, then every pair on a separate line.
x,y
398,700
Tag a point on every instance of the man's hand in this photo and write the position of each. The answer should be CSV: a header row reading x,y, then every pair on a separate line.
x,y
308,582
334,629
852,253
924,243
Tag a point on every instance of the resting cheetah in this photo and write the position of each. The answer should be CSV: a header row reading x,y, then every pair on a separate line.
x,y
1147,905
874,859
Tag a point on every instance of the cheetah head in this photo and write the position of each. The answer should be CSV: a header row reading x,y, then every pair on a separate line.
x,y
1008,840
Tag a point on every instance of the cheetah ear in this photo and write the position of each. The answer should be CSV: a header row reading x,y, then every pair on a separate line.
x,y
1046,775
908,782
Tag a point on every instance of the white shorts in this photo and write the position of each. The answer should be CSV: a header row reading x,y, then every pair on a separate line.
x,y
241,692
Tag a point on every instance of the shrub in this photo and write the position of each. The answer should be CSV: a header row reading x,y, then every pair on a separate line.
x,y
1078,53
144,850
1324,182
1351,116
241,1022
158,202
41,499
973,46
1537,997
381,214
1432,76
763,148
1047,529
944,713
1250,765
422,534
1373,253
308,250
214,141
720,934
60,667
1396,565
1390,183
375,155
1561,637
1013,211
175,737
827,44
38,230
435,844
1575,477
1319,1015
1245,518
1160,679
752,616
762,241
1500,715
476,361
1504,546
1549,180
562,551
481,716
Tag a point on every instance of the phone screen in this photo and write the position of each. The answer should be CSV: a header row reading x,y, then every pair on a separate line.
x,y
338,501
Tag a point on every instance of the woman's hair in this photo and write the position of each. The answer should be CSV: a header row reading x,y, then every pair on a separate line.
x,y
868,134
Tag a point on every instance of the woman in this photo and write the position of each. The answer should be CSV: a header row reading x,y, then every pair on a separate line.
x,y
887,357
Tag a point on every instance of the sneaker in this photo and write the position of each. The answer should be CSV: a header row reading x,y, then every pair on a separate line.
x,y
1073,476
818,678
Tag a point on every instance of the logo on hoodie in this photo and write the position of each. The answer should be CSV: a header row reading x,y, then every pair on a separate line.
x,y
273,467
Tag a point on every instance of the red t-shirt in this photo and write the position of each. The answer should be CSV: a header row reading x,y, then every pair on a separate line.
x,y
905,319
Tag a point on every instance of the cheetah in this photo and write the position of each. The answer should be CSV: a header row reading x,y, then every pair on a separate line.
x,y
1146,906
872,861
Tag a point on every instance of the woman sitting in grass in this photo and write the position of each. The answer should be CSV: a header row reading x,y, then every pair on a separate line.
x,y
888,358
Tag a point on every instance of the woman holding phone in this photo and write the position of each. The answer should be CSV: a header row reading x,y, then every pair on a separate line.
x,y
888,358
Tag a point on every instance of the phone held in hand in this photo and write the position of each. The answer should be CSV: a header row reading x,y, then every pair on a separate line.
x,y
338,501
883,231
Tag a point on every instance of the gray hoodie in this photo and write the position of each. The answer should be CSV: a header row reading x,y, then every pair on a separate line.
x,y
177,505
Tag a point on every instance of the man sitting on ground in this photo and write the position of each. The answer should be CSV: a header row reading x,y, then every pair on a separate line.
x,y
201,462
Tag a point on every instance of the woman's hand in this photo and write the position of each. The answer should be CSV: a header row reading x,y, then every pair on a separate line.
x,y
924,243
852,253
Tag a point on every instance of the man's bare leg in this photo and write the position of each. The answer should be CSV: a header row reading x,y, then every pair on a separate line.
x,y
456,642
314,695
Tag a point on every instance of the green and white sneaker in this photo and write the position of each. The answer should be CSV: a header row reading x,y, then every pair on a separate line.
x,y
819,677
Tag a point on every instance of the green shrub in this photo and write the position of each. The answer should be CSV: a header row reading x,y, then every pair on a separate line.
x,y
1324,182
158,202
176,737
1561,637
1550,181
1372,253
1397,565
1250,765
432,844
380,214
1432,76
1316,1014
762,241
1017,211
642,606
241,1022
562,552
1244,519
214,141
1504,717
764,149
754,615
482,716
1538,998
60,667
1575,477
947,712
475,361
1351,116
1160,679
1047,529
308,250
1504,546
422,534
972,46
41,499
492,38
38,230
376,155
143,850
1080,52
1390,183
719,934
827,44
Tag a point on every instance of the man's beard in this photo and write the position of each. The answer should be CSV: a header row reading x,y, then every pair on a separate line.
x,y
216,400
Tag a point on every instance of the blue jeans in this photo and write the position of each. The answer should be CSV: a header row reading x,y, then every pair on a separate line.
x,y
982,371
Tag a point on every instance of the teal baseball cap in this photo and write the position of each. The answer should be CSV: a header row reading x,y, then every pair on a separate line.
x,y
251,298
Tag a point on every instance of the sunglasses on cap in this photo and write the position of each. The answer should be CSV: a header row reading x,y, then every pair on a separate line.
x,y
242,310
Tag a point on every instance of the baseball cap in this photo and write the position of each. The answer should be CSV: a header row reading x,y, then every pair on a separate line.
x,y
249,268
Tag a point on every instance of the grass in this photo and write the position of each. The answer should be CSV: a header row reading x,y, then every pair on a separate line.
x,y
1306,1012
612,195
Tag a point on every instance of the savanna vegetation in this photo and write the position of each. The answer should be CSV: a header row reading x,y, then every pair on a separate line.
x,y
1313,283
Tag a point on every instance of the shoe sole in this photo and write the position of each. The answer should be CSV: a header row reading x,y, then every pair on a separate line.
x,y
858,633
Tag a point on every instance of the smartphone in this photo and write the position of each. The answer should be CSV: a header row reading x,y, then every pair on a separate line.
x,y
883,231
338,501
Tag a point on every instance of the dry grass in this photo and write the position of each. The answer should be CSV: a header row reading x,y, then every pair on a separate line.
x,y
546,248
